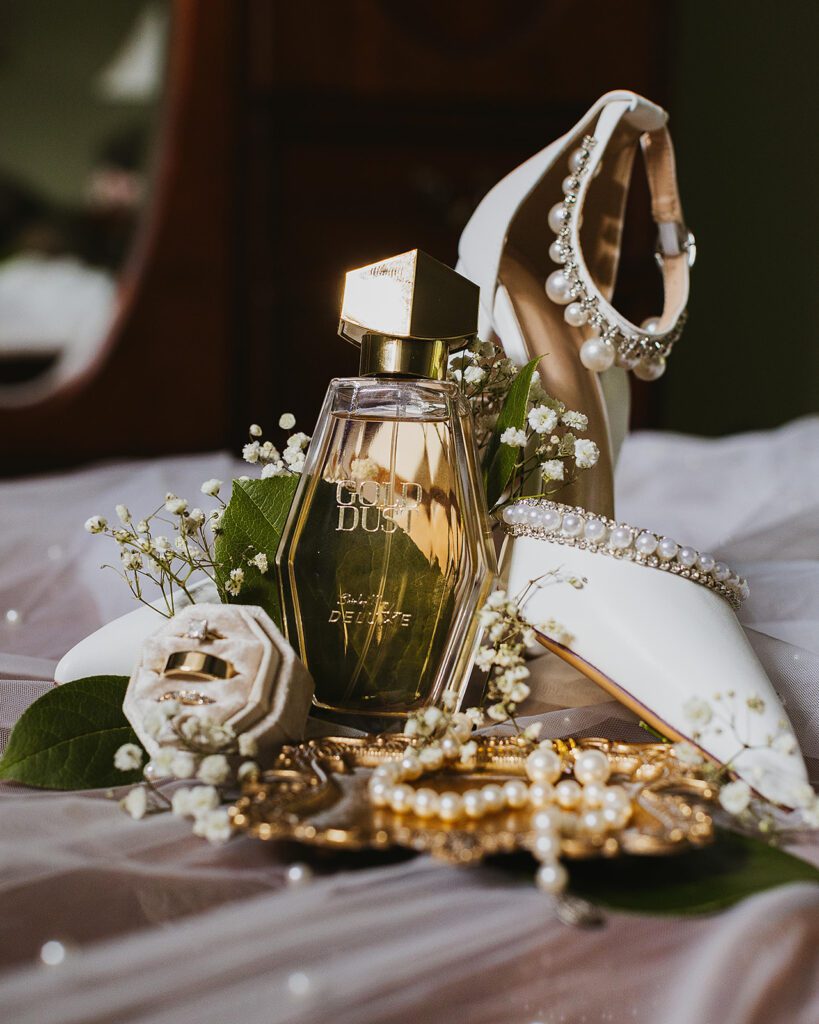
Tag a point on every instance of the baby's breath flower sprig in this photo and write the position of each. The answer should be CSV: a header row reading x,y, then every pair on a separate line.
x,y
484,375
510,634
440,734
174,546
288,462
550,453
725,713
195,747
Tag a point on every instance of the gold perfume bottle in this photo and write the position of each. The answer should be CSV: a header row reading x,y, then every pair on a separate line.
x,y
386,554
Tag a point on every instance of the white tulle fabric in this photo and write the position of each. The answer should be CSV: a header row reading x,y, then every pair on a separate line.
x,y
164,928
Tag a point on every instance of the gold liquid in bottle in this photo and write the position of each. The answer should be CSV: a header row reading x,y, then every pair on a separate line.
x,y
386,555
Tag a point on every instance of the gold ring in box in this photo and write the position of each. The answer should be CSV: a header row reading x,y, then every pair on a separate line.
x,y
197,665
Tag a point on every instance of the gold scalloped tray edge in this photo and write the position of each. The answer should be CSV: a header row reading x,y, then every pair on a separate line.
x,y
316,793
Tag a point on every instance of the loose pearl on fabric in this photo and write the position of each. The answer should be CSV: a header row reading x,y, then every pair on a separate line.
x,y
651,370
646,543
620,538
568,794
557,217
543,766
556,252
575,315
298,874
558,287
595,531
651,324
591,766
552,878
667,548
425,803
596,354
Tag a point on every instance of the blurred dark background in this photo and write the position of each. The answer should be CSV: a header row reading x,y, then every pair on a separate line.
x,y
221,163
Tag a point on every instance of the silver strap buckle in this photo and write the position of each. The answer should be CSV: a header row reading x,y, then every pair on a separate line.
x,y
674,238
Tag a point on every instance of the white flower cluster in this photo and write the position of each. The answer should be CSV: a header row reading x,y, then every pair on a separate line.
x,y
442,734
194,747
736,797
289,462
175,544
484,375
547,443
509,635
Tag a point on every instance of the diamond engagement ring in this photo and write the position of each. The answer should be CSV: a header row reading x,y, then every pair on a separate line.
x,y
199,630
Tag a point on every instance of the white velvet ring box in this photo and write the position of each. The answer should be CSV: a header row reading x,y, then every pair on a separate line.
x,y
268,696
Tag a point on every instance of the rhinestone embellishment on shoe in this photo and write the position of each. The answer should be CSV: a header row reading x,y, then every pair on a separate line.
x,y
643,351
563,524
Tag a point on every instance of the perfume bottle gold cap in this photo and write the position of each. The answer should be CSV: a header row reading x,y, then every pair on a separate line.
x,y
407,313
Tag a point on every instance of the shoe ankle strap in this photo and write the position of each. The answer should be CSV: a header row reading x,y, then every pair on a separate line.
x,y
642,349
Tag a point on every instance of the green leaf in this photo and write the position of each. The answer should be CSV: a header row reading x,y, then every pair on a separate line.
x,y
500,458
253,521
698,882
67,738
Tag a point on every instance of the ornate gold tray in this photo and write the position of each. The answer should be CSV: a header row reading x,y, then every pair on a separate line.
x,y
316,793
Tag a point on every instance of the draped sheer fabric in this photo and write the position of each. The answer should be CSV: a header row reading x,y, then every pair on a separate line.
x,y
161,927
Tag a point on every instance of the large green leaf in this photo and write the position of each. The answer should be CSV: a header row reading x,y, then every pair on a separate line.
x,y
253,522
499,462
67,738
698,882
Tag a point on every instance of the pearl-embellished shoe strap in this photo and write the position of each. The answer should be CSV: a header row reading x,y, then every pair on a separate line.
x,y
564,524
642,349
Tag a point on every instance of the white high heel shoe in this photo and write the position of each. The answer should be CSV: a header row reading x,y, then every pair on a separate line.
x,y
663,642
578,187
653,624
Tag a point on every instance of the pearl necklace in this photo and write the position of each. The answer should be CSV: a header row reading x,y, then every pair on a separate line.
x,y
644,351
574,526
583,804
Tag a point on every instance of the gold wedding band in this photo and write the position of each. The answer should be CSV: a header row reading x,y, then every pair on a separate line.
x,y
197,665
192,698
